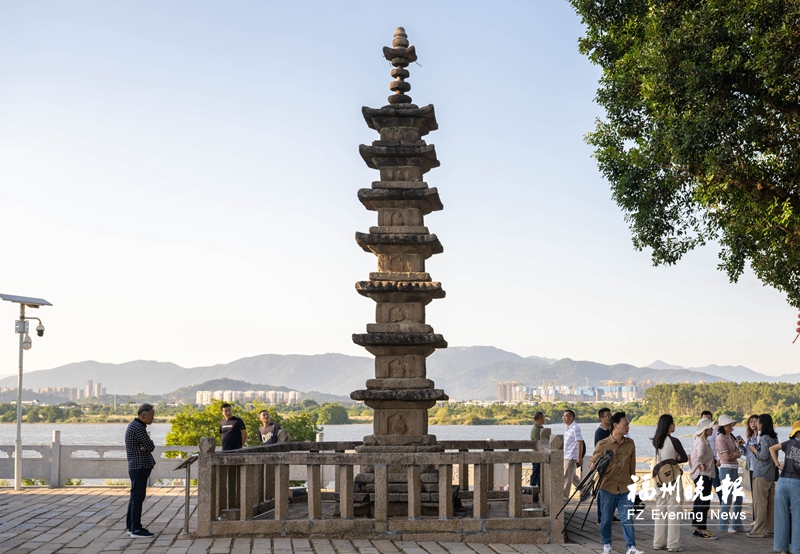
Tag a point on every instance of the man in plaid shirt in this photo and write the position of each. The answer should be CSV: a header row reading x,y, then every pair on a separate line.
x,y
138,447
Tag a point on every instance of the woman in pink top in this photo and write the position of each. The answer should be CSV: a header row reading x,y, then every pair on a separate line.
x,y
730,510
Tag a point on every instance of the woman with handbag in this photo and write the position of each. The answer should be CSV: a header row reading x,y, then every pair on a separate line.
x,y
668,525
702,464
763,480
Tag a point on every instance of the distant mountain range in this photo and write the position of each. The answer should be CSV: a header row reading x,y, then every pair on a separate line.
x,y
464,372
736,373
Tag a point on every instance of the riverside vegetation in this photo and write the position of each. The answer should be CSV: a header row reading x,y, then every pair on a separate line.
x,y
683,401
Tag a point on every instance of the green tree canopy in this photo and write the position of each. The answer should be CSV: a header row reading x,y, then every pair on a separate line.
x,y
192,424
333,414
701,139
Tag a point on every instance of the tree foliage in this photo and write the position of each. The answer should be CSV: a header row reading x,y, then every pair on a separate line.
x,y
701,139
191,424
522,414
333,414
738,400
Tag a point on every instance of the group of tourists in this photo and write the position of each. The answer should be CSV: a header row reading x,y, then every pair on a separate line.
x,y
713,463
616,473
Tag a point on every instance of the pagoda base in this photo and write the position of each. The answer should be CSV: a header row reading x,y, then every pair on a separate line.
x,y
364,485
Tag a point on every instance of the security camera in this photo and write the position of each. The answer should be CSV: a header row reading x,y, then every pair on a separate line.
x,y
40,330
27,343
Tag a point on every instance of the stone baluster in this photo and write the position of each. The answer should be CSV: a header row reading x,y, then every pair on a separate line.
x,y
514,490
480,507
489,473
445,491
414,492
281,491
314,486
463,474
346,491
336,484
248,490
381,492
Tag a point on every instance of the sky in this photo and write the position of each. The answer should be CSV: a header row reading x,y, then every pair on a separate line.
x,y
179,179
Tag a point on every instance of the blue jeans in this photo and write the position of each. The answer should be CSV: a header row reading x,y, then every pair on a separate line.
x,y
787,494
139,477
536,473
732,507
608,503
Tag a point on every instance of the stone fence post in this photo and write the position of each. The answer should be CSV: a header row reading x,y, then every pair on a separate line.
x,y
55,461
206,487
555,481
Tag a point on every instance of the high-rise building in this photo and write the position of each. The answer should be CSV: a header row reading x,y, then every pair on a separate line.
x,y
89,391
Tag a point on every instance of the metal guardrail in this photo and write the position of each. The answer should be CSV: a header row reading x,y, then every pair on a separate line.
x,y
187,464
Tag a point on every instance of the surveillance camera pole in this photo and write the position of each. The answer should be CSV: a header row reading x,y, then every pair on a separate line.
x,y
18,442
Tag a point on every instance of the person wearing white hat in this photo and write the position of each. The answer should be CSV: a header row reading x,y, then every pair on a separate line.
x,y
702,464
730,511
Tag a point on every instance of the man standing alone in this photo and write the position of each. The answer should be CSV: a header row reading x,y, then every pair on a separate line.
x,y
573,452
536,434
138,448
232,429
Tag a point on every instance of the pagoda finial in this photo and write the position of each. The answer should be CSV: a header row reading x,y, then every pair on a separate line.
x,y
400,55
400,38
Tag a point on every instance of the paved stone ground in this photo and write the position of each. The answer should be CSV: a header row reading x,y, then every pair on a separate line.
x,y
90,520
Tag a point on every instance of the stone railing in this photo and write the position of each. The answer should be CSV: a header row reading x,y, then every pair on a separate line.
x,y
247,492
55,463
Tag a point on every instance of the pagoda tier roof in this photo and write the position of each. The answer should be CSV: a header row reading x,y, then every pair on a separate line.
x,y
426,199
399,394
423,118
401,291
427,245
377,157
432,340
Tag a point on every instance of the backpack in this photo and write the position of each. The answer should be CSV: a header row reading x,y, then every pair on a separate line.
x,y
667,472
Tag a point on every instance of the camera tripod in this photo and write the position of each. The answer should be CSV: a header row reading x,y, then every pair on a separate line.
x,y
588,486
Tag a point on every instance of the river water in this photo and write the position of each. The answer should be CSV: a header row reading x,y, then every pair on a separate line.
x,y
113,433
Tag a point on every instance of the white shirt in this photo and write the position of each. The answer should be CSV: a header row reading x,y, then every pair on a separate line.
x,y
572,434
712,440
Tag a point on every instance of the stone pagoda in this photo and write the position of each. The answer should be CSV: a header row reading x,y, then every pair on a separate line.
x,y
400,340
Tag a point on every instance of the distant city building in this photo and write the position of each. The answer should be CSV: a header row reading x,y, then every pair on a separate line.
x,y
70,393
206,397
611,391
89,389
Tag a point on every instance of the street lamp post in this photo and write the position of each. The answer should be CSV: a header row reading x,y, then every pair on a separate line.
x,y
25,343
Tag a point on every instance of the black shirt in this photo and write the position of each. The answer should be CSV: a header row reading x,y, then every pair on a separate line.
x,y
791,464
231,430
601,434
269,433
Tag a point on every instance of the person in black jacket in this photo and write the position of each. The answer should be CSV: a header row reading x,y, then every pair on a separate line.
x,y
138,448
